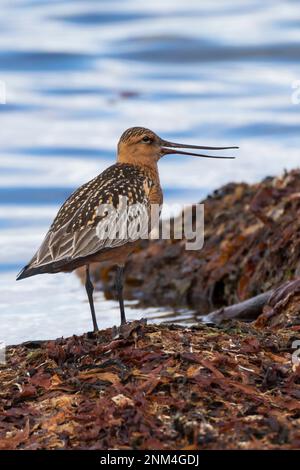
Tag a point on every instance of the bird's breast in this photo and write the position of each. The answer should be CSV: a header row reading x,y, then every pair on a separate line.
x,y
156,195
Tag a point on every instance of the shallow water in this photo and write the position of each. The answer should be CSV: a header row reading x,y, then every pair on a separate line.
x,y
77,73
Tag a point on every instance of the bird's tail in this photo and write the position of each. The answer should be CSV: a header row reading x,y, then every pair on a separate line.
x,y
49,268
28,272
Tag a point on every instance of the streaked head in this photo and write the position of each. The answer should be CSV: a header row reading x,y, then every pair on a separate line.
x,y
140,145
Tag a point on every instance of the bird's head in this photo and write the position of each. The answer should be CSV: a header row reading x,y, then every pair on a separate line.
x,y
142,146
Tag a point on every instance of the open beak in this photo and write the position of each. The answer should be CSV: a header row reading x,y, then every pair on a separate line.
x,y
171,147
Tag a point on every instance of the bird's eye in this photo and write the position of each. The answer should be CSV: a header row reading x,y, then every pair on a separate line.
x,y
146,139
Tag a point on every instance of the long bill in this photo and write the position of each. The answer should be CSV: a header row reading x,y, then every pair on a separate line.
x,y
171,148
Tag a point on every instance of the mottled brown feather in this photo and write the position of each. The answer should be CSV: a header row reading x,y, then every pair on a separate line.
x,y
72,235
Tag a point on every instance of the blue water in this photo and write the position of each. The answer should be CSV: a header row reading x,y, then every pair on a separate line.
x,y
77,73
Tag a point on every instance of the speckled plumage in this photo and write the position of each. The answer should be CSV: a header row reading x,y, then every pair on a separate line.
x,y
74,232
117,180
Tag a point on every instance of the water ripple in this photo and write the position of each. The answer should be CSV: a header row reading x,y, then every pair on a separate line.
x,y
77,73
35,61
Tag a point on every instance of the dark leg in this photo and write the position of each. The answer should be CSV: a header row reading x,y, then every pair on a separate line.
x,y
119,289
89,290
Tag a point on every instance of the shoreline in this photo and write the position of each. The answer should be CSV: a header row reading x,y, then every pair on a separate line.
x,y
230,385
162,387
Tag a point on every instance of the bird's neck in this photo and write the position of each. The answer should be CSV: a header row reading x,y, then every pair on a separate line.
x,y
150,170
148,165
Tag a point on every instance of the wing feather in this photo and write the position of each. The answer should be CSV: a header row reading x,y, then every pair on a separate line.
x,y
82,227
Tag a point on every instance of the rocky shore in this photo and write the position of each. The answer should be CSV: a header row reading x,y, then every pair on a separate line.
x,y
227,385
154,387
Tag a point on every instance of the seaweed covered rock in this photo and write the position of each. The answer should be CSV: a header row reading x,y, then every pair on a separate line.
x,y
252,244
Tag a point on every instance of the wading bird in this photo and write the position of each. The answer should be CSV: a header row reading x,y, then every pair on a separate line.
x,y
80,233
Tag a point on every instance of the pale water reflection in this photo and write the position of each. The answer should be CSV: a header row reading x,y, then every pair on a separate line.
x,y
77,73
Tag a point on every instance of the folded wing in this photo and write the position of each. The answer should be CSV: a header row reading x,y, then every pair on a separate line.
x,y
107,212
